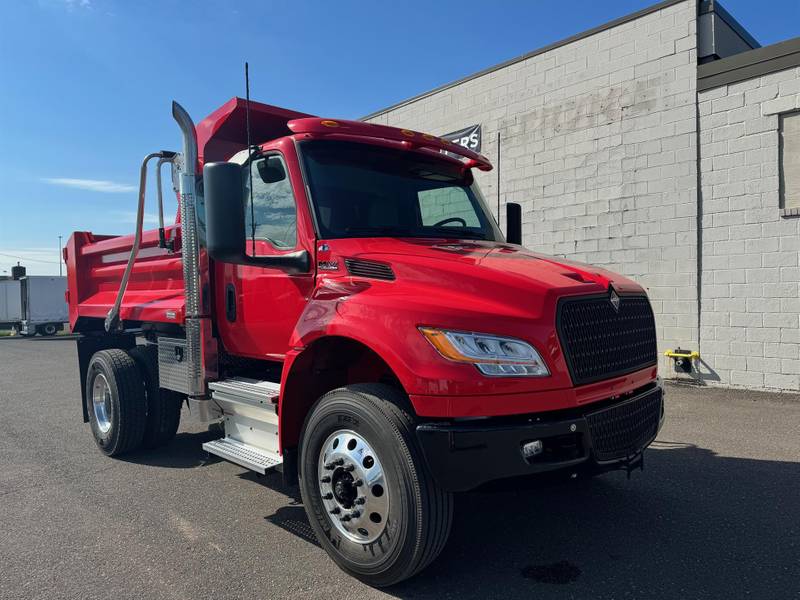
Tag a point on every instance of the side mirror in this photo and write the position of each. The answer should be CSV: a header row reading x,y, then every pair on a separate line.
x,y
224,196
513,223
224,199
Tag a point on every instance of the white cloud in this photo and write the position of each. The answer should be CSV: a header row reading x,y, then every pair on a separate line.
x,y
92,185
78,3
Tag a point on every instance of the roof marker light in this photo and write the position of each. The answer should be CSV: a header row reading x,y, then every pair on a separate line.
x,y
329,123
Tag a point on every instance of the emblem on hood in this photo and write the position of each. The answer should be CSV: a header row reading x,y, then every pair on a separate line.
x,y
614,299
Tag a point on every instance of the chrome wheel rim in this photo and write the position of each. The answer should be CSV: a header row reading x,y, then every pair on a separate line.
x,y
101,402
352,486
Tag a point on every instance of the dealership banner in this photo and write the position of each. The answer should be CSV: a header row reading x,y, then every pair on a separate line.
x,y
469,137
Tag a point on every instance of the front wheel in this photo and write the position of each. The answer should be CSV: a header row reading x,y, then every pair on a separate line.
x,y
368,494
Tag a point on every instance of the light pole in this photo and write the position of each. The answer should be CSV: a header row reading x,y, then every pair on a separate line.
x,y
60,261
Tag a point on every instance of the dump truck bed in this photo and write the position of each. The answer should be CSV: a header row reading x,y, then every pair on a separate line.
x,y
95,264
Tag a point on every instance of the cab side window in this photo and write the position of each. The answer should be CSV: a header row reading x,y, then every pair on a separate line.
x,y
273,207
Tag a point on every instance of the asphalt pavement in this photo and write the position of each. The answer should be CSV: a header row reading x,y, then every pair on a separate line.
x,y
715,514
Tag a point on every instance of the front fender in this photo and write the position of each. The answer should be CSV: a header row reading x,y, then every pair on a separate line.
x,y
385,317
346,309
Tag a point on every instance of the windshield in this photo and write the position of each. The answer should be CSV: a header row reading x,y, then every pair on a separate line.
x,y
363,190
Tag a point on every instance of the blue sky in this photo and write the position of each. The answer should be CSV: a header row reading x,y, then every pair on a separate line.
x,y
86,85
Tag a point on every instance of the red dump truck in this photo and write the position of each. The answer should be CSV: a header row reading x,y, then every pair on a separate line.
x,y
339,296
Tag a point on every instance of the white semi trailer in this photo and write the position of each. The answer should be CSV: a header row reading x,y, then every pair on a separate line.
x,y
33,304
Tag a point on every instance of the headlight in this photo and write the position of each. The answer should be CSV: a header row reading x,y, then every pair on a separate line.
x,y
493,355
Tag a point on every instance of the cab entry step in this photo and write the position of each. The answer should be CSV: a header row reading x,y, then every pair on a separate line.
x,y
249,457
244,389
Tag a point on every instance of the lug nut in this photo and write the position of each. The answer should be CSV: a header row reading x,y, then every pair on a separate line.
x,y
334,463
327,496
325,479
349,467
358,483
361,500
355,514
346,518
335,510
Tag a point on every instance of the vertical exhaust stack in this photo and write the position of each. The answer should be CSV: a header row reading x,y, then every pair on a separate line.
x,y
197,324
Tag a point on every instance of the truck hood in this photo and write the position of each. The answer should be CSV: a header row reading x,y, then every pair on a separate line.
x,y
486,275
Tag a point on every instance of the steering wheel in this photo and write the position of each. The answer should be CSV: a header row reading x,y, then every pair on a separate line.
x,y
450,220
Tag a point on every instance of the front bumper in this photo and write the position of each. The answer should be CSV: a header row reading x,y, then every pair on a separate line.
x,y
462,455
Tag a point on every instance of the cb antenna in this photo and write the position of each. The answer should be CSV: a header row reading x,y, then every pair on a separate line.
x,y
249,156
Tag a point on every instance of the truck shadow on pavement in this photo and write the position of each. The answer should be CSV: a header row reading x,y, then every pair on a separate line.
x,y
183,452
693,525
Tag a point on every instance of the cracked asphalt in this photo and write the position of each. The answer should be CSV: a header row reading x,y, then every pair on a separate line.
x,y
715,514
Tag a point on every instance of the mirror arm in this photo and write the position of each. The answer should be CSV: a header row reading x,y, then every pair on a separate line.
x,y
294,262
166,157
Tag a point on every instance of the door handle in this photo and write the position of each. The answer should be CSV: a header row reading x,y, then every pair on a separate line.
x,y
230,302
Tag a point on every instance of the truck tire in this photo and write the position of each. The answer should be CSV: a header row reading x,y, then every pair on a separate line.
x,y
115,401
163,406
48,329
367,492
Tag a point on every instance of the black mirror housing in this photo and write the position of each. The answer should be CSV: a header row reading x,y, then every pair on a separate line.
x,y
513,223
226,240
224,199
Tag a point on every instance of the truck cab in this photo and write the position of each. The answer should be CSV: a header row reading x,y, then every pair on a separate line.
x,y
339,296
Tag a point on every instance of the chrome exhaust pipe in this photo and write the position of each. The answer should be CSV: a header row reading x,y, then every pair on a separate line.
x,y
199,344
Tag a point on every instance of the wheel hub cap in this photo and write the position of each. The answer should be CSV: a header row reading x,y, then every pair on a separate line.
x,y
353,487
343,489
101,402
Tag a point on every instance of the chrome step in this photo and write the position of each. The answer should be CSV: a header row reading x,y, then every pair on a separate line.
x,y
249,457
244,389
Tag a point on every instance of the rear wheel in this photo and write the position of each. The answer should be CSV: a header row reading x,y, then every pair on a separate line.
x,y
49,329
115,401
368,494
163,406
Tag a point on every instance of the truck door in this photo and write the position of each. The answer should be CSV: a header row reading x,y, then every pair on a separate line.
x,y
257,307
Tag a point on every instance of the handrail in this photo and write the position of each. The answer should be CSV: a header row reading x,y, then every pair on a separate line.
x,y
112,318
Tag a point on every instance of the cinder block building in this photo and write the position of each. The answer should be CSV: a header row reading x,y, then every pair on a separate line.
x,y
664,145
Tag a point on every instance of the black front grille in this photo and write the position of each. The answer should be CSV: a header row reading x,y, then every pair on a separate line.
x,y
622,430
600,342
369,268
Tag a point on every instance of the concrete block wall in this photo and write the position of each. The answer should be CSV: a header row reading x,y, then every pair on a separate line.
x,y
598,144
750,322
